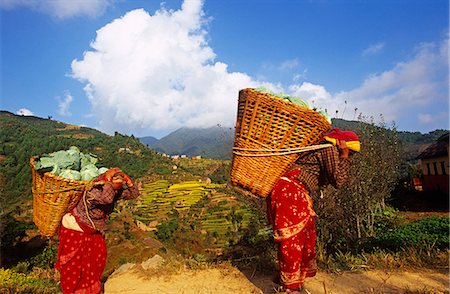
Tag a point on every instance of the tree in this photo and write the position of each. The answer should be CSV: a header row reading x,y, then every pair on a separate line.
x,y
348,214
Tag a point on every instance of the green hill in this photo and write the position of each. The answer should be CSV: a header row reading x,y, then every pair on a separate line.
x,y
26,136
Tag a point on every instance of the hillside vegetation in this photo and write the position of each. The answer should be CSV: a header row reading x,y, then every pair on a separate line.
x,y
188,209
26,136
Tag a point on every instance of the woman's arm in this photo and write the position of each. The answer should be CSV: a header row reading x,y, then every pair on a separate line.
x,y
131,193
336,164
117,183
102,195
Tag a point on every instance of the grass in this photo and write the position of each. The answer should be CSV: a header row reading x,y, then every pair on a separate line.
x,y
407,258
37,281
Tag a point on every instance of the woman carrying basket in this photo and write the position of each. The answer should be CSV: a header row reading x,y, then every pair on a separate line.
x,y
290,208
82,246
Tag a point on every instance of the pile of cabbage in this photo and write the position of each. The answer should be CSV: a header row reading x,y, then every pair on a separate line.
x,y
295,100
70,164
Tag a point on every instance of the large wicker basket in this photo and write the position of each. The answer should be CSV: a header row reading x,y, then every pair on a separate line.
x,y
53,196
267,128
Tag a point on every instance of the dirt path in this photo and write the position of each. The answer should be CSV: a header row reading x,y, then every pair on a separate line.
x,y
227,279
375,281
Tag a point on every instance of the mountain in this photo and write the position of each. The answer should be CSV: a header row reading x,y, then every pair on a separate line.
x,y
214,142
217,142
150,141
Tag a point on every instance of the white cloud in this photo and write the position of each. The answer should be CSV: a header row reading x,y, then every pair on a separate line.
x,y
158,72
425,118
397,94
64,104
24,111
61,8
430,119
289,64
297,77
373,49
316,95
414,84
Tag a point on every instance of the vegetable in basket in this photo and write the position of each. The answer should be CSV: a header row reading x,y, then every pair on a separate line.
x,y
295,100
70,164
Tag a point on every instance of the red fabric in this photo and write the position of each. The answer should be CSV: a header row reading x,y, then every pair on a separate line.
x,y
292,217
347,136
81,260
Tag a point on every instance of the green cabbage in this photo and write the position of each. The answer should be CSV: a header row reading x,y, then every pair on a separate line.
x,y
89,172
44,162
294,100
56,170
299,101
102,170
64,159
70,164
70,174
87,159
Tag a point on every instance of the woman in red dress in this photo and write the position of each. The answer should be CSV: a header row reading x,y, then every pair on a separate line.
x,y
82,246
290,207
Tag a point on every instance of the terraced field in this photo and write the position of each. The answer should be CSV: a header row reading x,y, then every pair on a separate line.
x,y
218,213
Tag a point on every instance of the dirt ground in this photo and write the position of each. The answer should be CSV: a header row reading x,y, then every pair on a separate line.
x,y
228,279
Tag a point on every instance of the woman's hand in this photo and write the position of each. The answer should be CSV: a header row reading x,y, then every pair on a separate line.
x,y
344,152
110,173
125,180
118,178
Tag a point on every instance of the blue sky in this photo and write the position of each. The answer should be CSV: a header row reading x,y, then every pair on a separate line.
x,y
151,67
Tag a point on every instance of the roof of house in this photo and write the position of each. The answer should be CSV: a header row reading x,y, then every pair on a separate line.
x,y
437,149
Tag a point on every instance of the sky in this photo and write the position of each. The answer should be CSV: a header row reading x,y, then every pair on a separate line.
x,y
147,68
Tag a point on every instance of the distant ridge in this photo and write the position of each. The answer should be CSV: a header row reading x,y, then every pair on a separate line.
x,y
213,142
217,142
149,140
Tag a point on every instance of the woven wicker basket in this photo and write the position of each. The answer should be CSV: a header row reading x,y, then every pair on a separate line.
x,y
53,196
266,127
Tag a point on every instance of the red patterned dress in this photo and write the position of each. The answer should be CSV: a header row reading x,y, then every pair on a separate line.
x,y
82,247
290,211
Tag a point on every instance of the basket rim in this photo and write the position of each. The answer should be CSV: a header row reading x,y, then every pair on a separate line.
x,y
53,176
291,104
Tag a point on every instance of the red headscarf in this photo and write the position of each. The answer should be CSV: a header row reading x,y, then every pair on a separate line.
x,y
349,137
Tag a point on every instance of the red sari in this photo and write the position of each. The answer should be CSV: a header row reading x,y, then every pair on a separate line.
x,y
292,217
81,260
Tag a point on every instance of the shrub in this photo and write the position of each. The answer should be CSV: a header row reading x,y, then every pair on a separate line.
x,y
431,232
22,267
349,213
221,175
162,170
46,259
166,229
12,230
14,282
388,219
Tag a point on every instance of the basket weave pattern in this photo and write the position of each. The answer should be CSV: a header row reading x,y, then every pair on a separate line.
x,y
53,196
265,122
